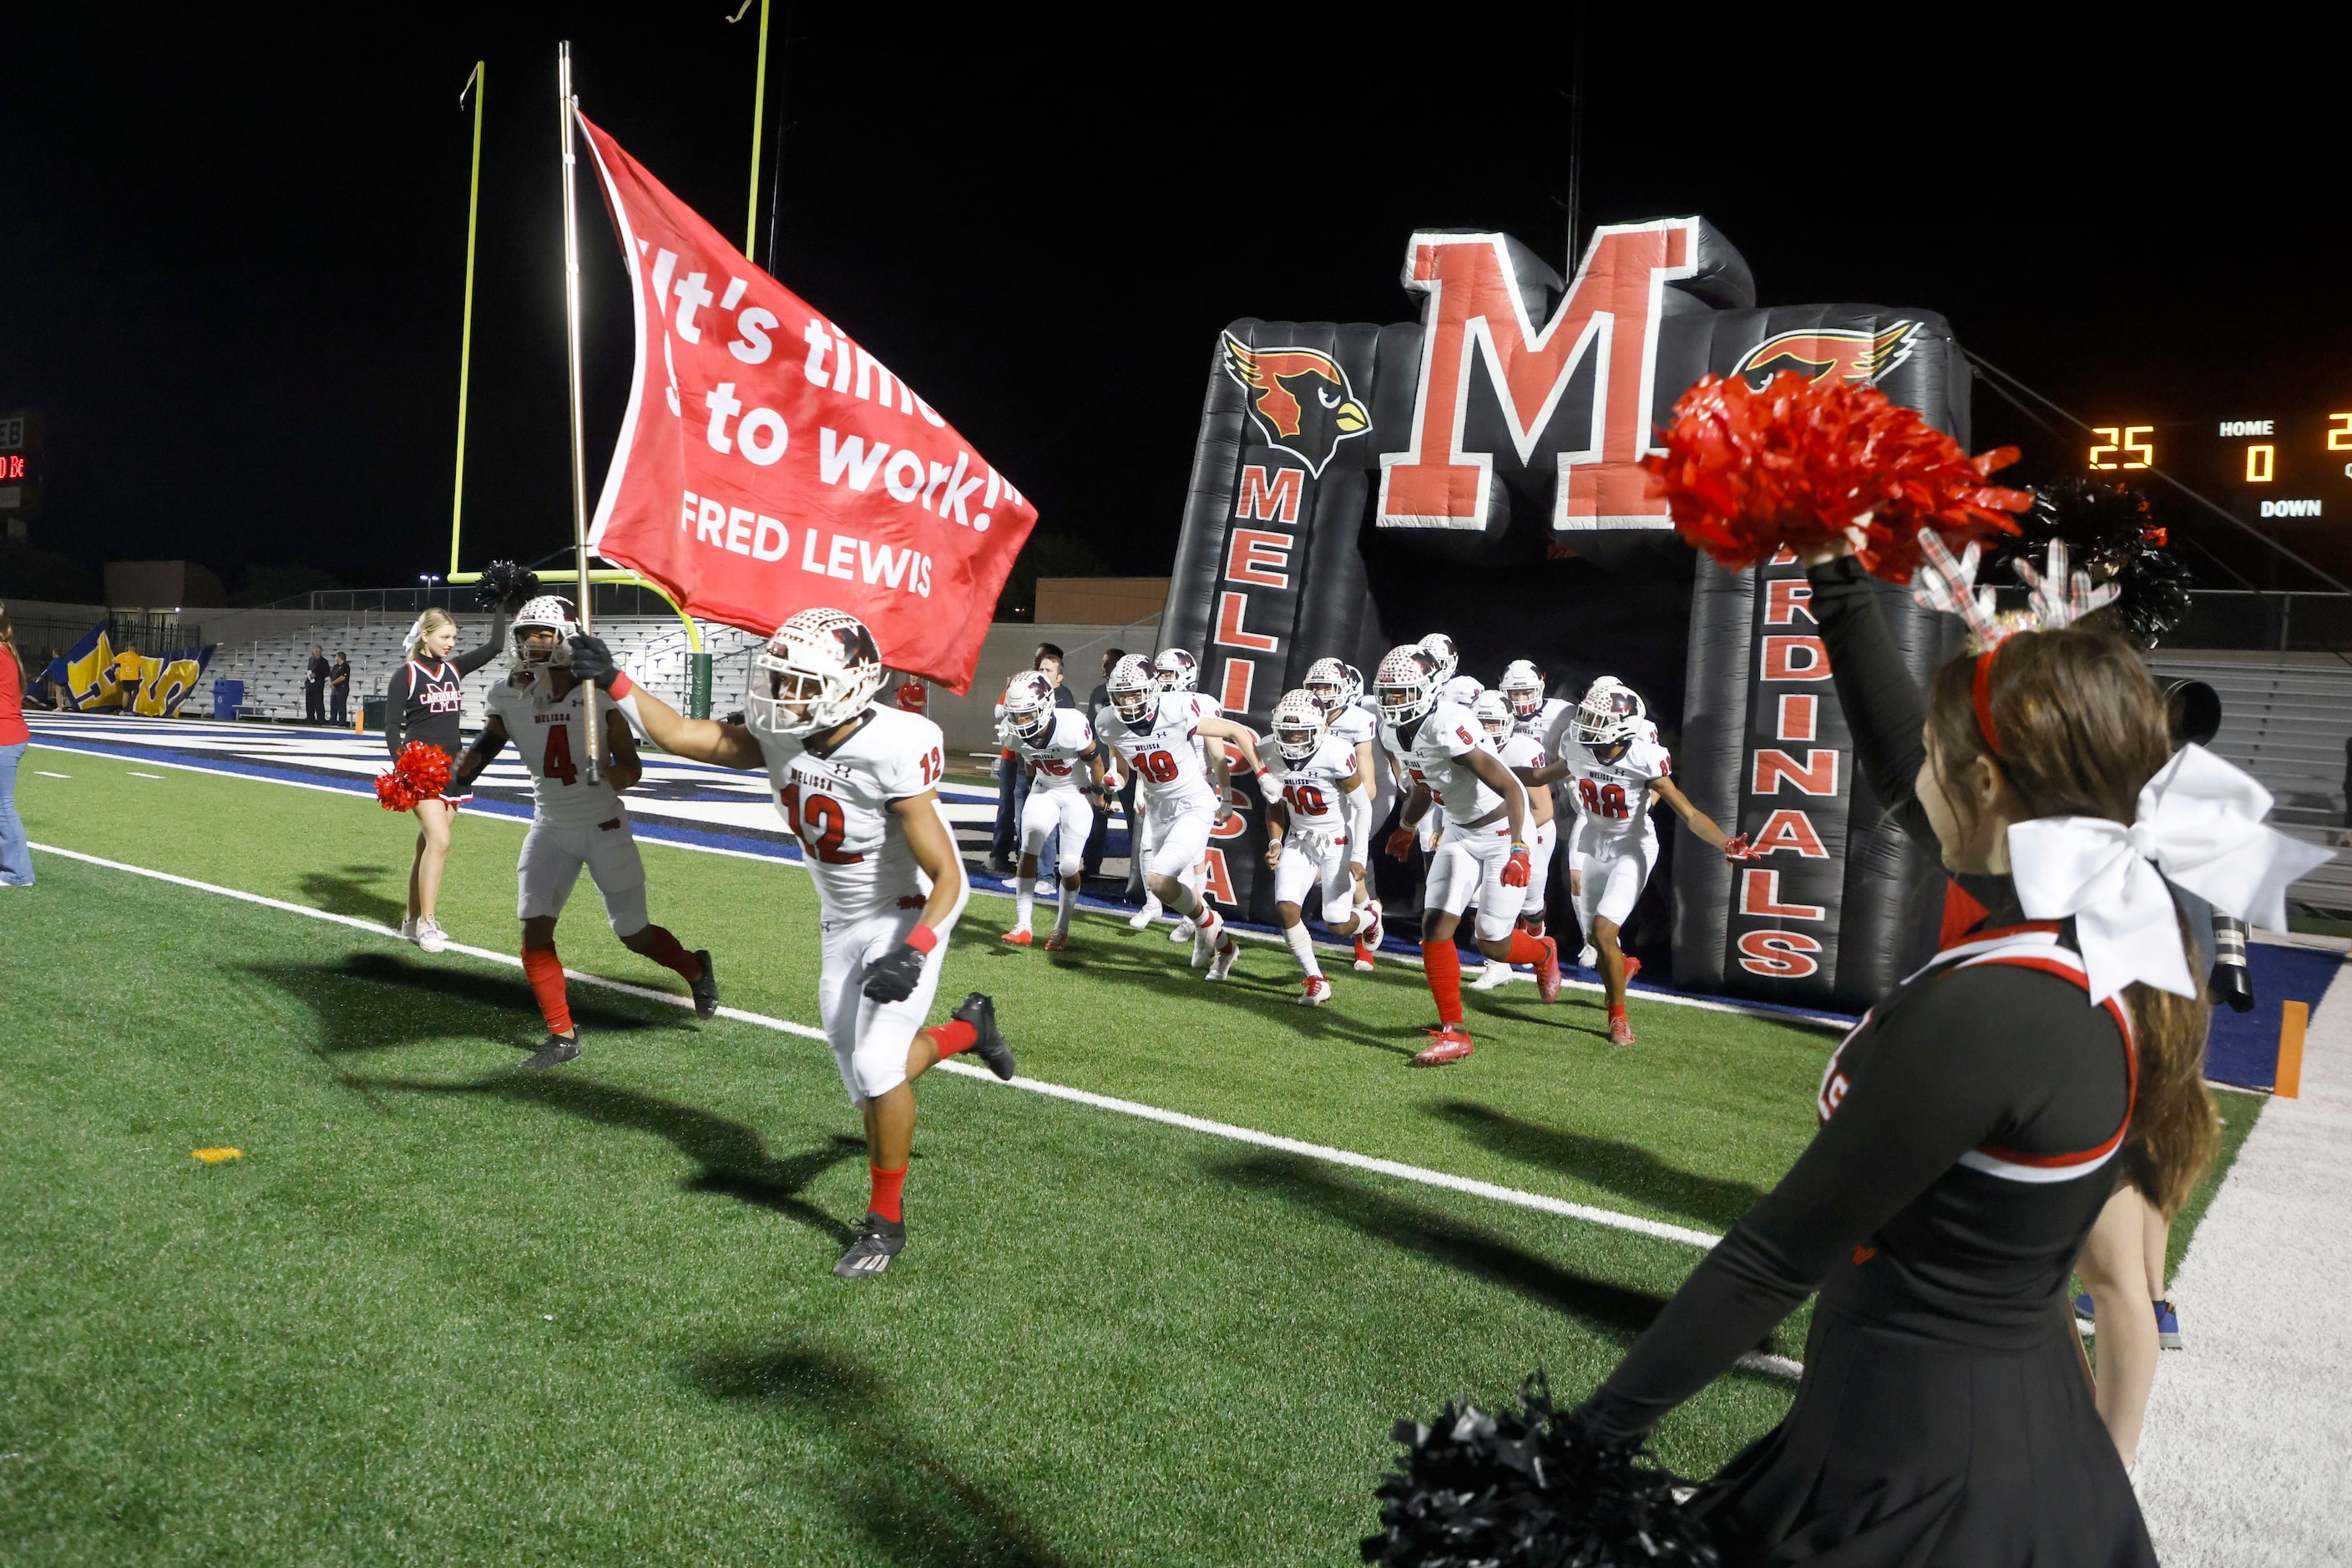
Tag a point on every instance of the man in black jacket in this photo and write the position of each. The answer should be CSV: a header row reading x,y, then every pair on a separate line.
x,y
339,687
314,689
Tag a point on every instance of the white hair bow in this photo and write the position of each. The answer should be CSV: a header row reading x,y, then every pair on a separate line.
x,y
2199,823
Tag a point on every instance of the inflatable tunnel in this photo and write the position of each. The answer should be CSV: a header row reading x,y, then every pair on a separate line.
x,y
1475,472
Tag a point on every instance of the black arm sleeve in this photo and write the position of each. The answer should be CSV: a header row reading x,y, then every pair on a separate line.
x,y
1943,1075
395,710
491,648
1883,708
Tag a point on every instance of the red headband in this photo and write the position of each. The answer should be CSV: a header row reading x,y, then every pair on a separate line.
x,y
1984,699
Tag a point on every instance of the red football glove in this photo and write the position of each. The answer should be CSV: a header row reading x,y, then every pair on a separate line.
x,y
1737,847
1401,844
1515,873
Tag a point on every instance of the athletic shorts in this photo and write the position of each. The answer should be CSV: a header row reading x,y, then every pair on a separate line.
x,y
1468,865
1317,857
870,1038
552,854
1174,843
1613,877
1066,809
1539,848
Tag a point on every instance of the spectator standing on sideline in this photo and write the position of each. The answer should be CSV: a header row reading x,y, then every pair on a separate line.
x,y
339,681
1099,841
314,688
912,696
16,859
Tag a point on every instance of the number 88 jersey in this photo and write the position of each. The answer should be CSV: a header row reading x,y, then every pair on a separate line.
x,y
1613,798
836,801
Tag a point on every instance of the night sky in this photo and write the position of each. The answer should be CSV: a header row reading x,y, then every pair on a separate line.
x,y
231,251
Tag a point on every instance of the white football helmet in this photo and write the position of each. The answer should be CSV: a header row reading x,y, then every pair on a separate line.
x,y
549,612
1493,713
1445,659
1029,705
1298,726
820,669
1611,712
1132,684
1462,689
1178,671
1333,685
1523,688
1406,684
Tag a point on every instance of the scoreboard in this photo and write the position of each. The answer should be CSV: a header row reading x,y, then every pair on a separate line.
x,y
2286,473
20,470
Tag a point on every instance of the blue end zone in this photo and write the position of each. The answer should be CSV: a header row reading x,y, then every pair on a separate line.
x,y
2244,1047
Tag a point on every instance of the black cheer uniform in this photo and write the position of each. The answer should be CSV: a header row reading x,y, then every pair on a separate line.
x,y
423,701
1970,1128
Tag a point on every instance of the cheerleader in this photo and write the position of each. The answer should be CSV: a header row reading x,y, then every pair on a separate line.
x,y
422,703
1971,1124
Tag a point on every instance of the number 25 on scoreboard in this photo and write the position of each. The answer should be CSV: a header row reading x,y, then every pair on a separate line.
x,y
2129,441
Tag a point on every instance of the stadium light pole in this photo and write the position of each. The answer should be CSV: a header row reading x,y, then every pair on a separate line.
x,y
478,85
568,109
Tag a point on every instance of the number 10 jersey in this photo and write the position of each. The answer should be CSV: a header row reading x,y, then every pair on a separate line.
x,y
836,801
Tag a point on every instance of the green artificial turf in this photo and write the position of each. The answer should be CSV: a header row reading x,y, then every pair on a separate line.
x,y
442,1311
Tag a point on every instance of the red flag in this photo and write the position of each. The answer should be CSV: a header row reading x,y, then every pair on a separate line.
x,y
768,463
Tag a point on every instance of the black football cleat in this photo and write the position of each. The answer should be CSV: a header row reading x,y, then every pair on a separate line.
x,y
878,1241
552,1051
705,987
979,1012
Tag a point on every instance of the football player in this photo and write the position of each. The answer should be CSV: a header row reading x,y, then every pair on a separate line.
x,y
1053,743
1175,669
1524,755
1532,712
1618,776
575,821
1310,835
1159,734
858,785
1481,857
1337,689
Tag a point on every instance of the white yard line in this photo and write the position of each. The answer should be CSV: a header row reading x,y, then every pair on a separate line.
x,y
2246,1457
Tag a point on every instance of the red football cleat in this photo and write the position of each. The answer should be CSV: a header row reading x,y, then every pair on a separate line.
x,y
1058,941
1363,957
1548,971
1452,1043
1017,938
1633,967
1620,1031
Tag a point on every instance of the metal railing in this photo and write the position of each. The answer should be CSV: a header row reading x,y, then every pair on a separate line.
x,y
612,599
2257,621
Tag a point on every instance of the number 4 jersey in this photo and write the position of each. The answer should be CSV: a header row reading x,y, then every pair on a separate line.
x,y
1612,799
550,734
836,800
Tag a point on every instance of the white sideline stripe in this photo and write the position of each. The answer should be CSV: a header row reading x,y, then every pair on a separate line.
x,y
1777,1366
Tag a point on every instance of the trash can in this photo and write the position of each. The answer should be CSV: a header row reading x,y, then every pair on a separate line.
x,y
227,697
371,714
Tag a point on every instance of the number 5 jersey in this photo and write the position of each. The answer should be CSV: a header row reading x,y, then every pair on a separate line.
x,y
836,800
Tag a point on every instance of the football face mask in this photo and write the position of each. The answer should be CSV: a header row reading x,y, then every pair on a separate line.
x,y
542,630
1493,713
1177,671
819,671
1297,726
1027,711
1610,715
1407,686
1332,685
1132,684
1523,688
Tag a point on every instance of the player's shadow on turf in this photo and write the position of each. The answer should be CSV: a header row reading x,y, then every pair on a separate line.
x,y
897,1491
734,1160
1254,994
347,895
374,1001
1625,1168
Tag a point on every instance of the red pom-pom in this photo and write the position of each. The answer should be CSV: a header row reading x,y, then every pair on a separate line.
x,y
419,772
1800,464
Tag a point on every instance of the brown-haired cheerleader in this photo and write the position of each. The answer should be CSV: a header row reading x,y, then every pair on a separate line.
x,y
1970,1124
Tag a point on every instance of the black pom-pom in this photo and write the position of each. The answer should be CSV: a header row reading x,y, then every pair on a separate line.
x,y
1532,1488
2111,532
505,585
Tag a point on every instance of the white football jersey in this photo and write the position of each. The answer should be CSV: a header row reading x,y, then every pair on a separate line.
x,y
837,803
550,735
1354,725
1549,724
1163,748
1613,798
1316,790
1520,750
1447,734
1060,751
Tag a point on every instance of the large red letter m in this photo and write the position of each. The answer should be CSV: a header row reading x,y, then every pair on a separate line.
x,y
1475,310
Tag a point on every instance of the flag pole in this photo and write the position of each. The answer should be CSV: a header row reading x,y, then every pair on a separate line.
x,y
568,108
478,84
759,118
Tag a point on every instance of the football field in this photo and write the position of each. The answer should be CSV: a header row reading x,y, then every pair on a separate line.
x,y
440,1311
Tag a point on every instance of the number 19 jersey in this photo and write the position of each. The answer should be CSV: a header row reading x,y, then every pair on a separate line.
x,y
1163,750
552,735
836,801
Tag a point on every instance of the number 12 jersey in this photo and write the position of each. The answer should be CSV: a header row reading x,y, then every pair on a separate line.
x,y
837,800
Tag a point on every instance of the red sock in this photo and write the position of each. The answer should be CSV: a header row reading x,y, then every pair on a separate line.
x,y
951,1036
1442,961
1616,1012
1525,949
887,1185
665,950
546,972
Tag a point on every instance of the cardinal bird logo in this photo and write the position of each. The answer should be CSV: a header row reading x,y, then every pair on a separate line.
x,y
1821,352
1299,398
